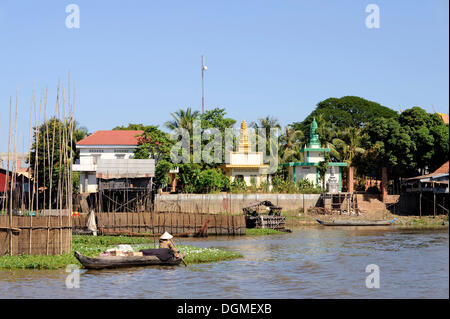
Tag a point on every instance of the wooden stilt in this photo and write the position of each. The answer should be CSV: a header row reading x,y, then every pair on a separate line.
x,y
434,203
420,204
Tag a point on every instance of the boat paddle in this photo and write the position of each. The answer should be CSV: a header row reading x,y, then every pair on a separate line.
x,y
182,259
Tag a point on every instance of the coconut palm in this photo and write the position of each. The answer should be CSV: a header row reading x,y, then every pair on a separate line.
x,y
183,119
291,142
266,124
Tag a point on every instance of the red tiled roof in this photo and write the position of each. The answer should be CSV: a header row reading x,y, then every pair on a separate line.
x,y
116,137
442,170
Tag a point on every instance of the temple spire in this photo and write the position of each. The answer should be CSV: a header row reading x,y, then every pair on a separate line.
x,y
244,145
313,137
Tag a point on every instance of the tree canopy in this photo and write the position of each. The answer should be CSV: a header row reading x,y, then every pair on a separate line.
x,y
411,144
344,112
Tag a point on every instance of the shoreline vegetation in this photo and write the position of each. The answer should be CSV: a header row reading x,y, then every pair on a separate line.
x,y
93,245
262,232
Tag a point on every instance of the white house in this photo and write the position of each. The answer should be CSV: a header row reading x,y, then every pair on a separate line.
x,y
103,145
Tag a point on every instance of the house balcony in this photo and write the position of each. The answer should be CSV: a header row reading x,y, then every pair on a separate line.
x,y
85,166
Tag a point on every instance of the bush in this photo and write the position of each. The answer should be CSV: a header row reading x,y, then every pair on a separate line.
x,y
238,186
282,185
196,179
212,180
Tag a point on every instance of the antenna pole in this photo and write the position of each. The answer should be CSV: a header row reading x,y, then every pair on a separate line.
x,y
203,86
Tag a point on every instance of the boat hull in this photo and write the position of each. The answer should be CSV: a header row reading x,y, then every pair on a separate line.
x,y
357,222
123,261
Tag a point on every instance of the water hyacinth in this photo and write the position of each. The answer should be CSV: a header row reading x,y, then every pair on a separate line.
x,y
93,246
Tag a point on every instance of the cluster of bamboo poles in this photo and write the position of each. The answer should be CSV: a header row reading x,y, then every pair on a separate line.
x,y
49,177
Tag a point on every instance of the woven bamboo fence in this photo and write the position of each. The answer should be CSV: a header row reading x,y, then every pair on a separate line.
x,y
46,235
159,222
230,203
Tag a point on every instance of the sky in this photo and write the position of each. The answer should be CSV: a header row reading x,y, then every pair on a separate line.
x,y
138,61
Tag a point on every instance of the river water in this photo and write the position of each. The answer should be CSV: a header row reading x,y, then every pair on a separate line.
x,y
312,262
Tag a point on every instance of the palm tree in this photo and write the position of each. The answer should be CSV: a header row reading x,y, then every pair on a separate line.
x,y
183,119
291,142
265,123
269,122
349,146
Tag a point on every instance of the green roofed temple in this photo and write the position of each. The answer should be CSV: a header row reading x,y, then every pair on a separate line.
x,y
314,153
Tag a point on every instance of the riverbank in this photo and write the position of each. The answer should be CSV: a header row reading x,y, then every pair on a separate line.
x,y
93,245
402,221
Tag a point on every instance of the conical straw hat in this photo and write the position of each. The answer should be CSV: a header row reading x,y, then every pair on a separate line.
x,y
166,235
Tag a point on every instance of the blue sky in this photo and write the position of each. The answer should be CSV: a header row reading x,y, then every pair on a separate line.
x,y
137,61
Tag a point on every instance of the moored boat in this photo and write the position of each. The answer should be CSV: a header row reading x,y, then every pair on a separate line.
x,y
357,222
103,262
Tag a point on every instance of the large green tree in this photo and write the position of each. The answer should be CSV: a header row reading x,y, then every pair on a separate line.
x,y
430,136
344,112
389,145
412,144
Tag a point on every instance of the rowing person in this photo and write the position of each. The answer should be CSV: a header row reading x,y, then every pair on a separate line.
x,y
165,242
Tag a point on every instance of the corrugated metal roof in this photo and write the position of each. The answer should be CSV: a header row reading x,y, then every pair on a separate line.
x,y
115,137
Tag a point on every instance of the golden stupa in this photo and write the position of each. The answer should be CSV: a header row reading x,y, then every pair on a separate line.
x,y
244,163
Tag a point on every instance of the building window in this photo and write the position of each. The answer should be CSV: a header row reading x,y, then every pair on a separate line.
x,y
121,150
120,156
96,150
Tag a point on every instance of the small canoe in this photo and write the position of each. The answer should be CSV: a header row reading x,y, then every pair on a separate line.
x,y
357,222
103,262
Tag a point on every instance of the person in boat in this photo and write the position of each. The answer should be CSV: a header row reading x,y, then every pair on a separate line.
x,y
165,242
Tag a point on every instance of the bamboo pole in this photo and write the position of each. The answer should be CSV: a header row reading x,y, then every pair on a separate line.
x,y
14,167
58,192
30,206
7,182
50,165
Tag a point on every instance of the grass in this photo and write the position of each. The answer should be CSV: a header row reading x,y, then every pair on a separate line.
x,y
94,245
261,232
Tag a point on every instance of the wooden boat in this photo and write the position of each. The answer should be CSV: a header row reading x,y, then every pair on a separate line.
x,y
103,262
357,222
